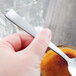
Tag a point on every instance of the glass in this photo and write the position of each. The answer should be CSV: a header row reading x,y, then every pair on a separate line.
x,y
33,11
50,56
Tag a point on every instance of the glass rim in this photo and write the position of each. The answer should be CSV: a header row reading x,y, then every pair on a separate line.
x,y
67,46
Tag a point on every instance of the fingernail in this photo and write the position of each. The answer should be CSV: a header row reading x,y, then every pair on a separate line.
x,y
47,32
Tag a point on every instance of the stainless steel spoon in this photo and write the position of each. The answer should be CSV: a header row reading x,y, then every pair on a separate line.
x,y
20,22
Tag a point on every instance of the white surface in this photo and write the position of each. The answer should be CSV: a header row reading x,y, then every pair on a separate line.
x,y
31,10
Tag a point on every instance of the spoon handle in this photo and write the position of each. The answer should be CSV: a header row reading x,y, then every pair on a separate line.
x,y
58,51
19,21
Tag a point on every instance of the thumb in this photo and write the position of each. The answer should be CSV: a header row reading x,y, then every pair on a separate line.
x,y
40,44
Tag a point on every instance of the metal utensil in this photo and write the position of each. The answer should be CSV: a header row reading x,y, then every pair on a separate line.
x,y
20,22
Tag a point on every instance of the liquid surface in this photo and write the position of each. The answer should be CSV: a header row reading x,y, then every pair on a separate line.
x,y
54,65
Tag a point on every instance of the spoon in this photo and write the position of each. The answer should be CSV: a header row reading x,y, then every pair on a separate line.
x,y
20,22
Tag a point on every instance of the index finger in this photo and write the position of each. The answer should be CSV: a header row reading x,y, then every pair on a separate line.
x,y
18,41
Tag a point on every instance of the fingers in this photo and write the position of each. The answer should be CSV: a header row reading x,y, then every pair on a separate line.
x,y
18,41
40,43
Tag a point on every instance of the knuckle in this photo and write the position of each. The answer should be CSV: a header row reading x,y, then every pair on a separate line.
x,y
5,45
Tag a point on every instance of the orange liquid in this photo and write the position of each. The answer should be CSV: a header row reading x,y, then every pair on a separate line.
x,y
54,65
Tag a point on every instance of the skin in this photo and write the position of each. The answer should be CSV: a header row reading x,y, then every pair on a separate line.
x,y
20,54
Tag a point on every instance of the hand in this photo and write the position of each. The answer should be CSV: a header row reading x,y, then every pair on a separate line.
x,y
18,58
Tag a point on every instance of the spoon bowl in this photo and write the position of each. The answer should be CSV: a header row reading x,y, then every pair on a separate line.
x,y
72,66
